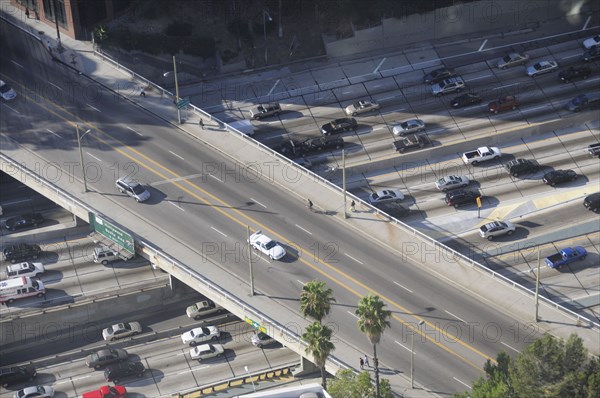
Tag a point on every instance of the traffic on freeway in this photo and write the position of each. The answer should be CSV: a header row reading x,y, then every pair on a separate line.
x,y
192,201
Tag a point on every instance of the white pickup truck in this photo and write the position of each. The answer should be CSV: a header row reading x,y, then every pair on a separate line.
x,y
481,155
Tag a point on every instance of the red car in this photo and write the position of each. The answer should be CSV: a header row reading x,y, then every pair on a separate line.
x,y
107,392
503,104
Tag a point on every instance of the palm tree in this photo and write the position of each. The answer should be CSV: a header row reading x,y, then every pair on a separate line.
x,y
372,321
315,300
318,338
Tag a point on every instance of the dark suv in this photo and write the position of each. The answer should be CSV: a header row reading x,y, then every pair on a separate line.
x,y
575,72
521,166
21,252
116,373
461,196
592,202
339,126
16,374
24,221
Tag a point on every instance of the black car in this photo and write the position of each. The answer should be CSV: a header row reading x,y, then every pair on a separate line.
x,y
290,148
21,252
461,196
393,208
24,221
339,126
521,166
554,177
575,72
16,374
591,54
322,143
465,99
102,358
118,372
592,202
411,141
437,75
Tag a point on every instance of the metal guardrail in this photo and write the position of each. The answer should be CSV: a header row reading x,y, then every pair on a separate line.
x,y
333,363
237,381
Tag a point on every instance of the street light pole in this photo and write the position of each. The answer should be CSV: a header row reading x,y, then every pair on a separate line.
x,y
250,261
344,180
176,91
85,188
248,373
266,14
412,354
537,285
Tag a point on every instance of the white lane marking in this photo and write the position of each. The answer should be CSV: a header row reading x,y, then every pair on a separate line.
x,y
140,134
219,231
299,227
533,109
273,88
176,205
452,315
14,202
96,109
591,80
434,131
300,282
52,132
379,65
512,348
572,56
405,288
483,44
393,96
353,314
587,21
508,85
477,78
256,201
12,109
216,178
70,379
18,64
358,261
468,108
92,156
54,85
174,154
346,92
402,345
463,383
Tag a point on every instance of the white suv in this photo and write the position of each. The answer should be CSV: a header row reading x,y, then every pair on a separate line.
x,y
448,85
133,189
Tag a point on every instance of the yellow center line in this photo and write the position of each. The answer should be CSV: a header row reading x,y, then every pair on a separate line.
x,y
265,228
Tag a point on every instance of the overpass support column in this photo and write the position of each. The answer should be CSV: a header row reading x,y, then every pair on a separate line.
x,y
306,368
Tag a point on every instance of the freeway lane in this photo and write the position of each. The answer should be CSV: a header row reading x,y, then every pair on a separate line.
x,y
385,262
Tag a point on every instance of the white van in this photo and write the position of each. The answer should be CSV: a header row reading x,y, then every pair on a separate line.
x,y
105,255
18,288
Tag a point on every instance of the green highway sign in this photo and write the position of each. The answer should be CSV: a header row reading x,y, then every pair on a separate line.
x,y
112,232
183,102
255,324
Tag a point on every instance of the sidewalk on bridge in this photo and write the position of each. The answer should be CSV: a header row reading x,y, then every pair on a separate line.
x,y
80,56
